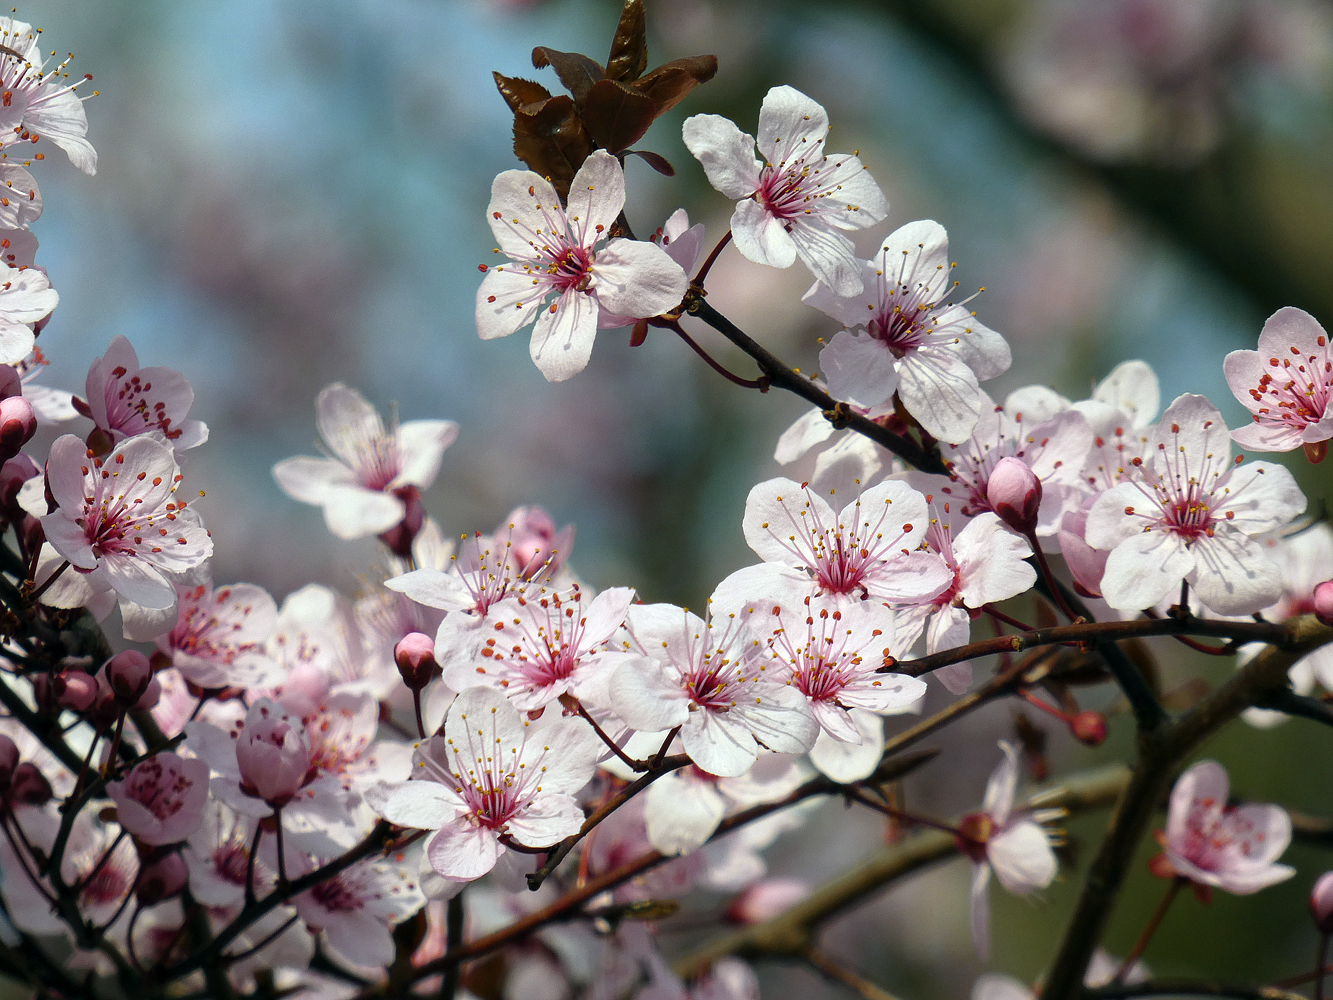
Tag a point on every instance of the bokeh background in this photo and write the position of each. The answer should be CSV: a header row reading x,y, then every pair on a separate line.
x,y
293,193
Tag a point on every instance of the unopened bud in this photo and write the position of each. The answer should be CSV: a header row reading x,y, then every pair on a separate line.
x,y
399,538
15,472
1321,903
75,689
1014,493
9,759
31,533
1323,602
18,423
415,656
129,674
162,879
1089,728
28,786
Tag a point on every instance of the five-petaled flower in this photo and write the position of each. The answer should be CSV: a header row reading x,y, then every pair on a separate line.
x,y
918,343
1214,844
554,250
795,202
375,474
1193,517
492,777
117,516
1287,385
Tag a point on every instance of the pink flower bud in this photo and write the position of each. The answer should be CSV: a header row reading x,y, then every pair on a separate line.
x,y
272,753
415,656
31,532
1014,493
535,545
15,472
162,879
1089,728
75,689
400,537
9,759
129,674
18,423
28,786
1321,903
1323,602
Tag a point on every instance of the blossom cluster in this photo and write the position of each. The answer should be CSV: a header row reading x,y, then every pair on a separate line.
x,y
269,790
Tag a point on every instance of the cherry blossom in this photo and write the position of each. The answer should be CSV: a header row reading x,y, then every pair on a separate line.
x,y
1034,425
704,677
929,350
553,250
1193,517
833,657
217,857
1214,844
545,645
1287,385
795,202
366,486
42,104
682,242
220,635
356,909
865,551
116,516
493,776
272,754
125,400
1012,845
26,296
988,564
162,799
514,560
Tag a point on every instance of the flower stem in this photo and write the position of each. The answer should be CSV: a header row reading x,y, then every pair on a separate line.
x,y
50,580
745,383
453,939
903,815
702,276
1057,591
282,861
1321,959
1177,883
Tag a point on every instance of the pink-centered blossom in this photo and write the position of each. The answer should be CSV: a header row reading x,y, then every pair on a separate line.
x,y
865,551
1214,844
796,202
931,351
1287,385
219,637
1010,844
39,103
988,564
832,657
125,400
357,908
117,516
492,776
1193,516
554,250
366,486
705,676
517,558
162,799
542,646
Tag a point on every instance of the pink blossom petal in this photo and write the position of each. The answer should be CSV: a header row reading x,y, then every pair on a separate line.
x,y
507,300
596,196
726,154
563,336
1022,857
761,237
421,444
1144,569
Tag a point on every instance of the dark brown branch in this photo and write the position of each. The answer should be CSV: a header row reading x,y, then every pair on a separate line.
x,y
784,377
